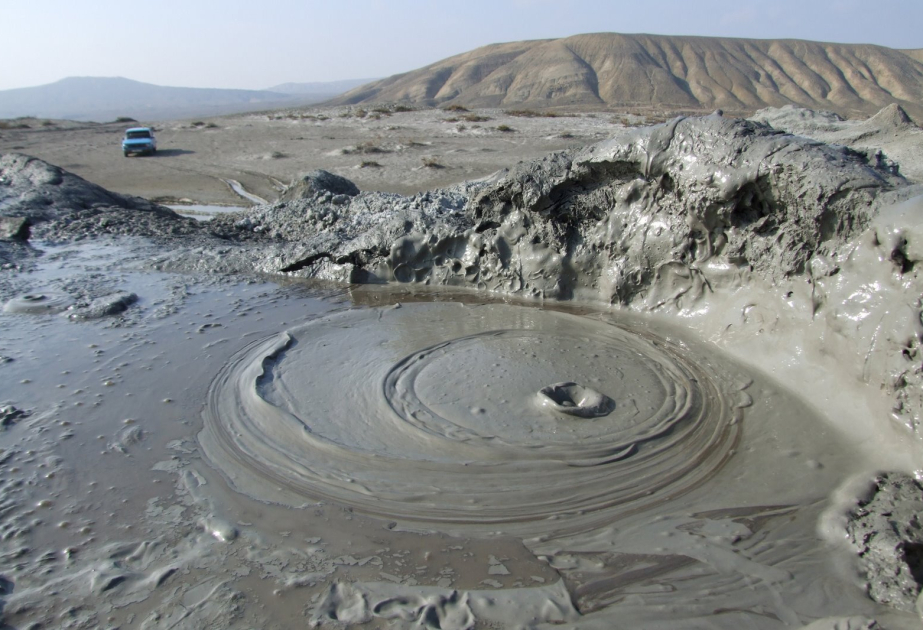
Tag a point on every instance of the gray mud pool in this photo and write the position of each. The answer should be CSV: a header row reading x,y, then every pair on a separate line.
x,y
239,453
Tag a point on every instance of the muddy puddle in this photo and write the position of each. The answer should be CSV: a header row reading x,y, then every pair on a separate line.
x,y
241,453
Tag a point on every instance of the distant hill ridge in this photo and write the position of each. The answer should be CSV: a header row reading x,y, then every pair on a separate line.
x,y
328,88
659,71
105,98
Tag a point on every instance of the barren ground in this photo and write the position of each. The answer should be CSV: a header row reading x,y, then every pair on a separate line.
x,y
262,151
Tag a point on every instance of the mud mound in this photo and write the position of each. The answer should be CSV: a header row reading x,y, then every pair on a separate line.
x,y
892,116
318,183
336,236
61,205
640,216
806,121
890,137
799,120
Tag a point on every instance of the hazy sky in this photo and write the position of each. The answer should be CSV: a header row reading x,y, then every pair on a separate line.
x,y
255,44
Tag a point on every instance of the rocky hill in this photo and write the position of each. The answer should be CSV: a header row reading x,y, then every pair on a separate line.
x,y
663,72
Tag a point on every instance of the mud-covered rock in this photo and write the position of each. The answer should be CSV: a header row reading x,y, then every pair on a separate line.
x,y
886,528
14,228
103,306
319,182
10,415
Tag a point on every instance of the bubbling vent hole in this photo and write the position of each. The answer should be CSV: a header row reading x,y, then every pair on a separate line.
x,y
575,400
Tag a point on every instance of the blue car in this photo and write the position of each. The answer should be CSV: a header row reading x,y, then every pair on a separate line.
x,y
139,140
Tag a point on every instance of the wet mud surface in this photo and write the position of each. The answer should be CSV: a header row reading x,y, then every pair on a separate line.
x,y
446,427
435,488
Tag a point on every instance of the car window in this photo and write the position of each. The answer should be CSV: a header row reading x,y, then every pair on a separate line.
x,y
138,134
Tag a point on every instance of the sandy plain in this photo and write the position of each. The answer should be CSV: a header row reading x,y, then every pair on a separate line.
x,y
265,150
114,517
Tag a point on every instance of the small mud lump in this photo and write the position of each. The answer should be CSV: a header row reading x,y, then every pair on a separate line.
x,y
319,182
886,529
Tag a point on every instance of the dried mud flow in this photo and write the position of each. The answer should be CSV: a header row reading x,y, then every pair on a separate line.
x,y
667,380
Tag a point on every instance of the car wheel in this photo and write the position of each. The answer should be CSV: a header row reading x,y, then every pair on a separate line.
x,y
125,153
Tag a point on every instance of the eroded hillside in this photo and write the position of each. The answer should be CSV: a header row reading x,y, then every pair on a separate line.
x,y
668,72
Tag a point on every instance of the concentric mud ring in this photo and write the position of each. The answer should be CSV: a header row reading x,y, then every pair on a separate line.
x,y
431,414
38,303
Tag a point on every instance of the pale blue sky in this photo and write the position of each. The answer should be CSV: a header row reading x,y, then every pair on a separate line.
x,y
254,44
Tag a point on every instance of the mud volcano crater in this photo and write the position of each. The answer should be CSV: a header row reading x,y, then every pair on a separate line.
x,y
427,414
621,446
